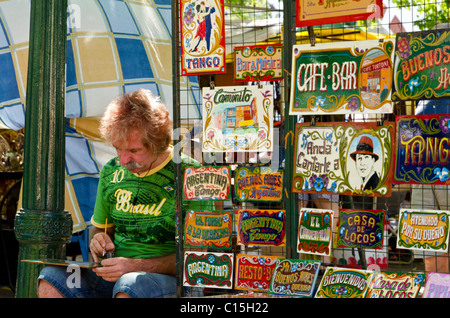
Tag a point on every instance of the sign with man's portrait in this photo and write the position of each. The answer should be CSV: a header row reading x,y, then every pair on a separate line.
x,y
344,158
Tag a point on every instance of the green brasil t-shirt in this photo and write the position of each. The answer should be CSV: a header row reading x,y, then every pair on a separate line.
x,y
145,229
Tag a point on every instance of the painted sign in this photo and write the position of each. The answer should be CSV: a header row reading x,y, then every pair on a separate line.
x,y
361,228
261,227
207,183
395,285
258,184
315,230
202,37
254,272
238,118
423,230
325,12
344,158
342,78
344,283
213,270
208,229
258,63
423,149
421,70
437,286
295,277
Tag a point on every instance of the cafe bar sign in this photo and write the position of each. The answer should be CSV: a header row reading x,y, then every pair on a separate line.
x,y
342,78
423,149
350,158
421,65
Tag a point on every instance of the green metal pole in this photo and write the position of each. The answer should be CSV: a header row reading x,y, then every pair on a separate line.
x,y
289,131
42,226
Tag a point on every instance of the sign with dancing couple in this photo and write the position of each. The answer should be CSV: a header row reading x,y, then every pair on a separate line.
x,y
344,158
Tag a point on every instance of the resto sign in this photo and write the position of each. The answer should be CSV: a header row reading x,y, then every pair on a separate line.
x,y
421,65
342,78
254,272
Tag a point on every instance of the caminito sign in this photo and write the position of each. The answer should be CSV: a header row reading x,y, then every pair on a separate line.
x,y
423,149
421,65
341,78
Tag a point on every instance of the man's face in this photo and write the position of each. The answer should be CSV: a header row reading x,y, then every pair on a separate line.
x,y
133,155
364,164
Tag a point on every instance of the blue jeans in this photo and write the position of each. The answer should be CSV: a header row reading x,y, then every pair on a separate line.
x,y
74,282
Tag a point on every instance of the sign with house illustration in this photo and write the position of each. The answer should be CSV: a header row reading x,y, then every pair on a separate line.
x,y
258,184
344,158
422,155
342,78
344,283
207,183
256,63
202,37
421,65
238,119
212,229
295,277
395,285
212,270
423,230
315,231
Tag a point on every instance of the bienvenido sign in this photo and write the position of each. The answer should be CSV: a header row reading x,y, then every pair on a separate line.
x,y
344,283
423,149
421,65
342,78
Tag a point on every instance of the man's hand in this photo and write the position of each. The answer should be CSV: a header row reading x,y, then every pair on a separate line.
x,y
113,268
98,245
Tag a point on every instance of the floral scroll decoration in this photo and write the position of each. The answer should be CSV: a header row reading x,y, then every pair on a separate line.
x,y
338,180
256,138
418,71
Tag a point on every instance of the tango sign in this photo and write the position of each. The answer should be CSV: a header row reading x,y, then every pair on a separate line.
x,y
262,227
207,183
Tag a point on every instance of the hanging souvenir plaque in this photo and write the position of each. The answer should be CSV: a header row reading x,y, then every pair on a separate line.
x,y
344,158
437,286
202,37
361,228
315,230
342,78
258,184
325,12
258,63
421,60
295,277
254,272
395,285
207,183
238,118
208,229
213,270
423,230
344,283
261,227
423,149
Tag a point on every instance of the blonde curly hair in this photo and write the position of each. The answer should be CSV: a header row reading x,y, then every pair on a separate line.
x,y
138,110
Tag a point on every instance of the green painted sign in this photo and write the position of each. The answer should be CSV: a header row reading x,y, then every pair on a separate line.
x,y
421,70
